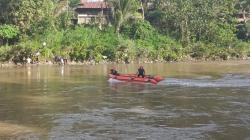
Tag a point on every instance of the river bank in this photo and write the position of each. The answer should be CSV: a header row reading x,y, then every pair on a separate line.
x,y
73,63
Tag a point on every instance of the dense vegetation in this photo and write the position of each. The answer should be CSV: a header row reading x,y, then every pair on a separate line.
x,y
167,30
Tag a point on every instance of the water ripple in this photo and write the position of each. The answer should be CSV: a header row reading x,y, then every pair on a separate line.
x,y
226,81
97,125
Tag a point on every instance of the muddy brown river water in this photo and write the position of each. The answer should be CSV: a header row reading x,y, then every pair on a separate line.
x,y
208,101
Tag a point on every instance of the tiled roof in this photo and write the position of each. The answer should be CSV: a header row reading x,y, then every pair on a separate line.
x,y
93,5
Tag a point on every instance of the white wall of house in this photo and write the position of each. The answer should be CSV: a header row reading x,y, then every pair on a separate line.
x,y
83,1
94,0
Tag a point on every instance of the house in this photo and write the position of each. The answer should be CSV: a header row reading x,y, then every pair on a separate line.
x,y
96,11
93,11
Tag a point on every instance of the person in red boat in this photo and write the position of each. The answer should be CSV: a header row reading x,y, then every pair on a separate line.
x,y
113,71
141,72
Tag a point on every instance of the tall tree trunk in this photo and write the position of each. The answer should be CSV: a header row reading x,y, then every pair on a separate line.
x,y
182,33
185,33
244,15
101,20
143,12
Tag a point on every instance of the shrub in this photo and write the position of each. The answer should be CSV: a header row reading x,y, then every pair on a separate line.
x,y
9,32
4,53
126,51
140,29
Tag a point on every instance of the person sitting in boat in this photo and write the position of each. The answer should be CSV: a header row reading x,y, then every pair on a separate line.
x,y
113,71
141,72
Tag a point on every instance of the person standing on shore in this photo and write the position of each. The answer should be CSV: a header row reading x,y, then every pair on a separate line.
x,y
62,61
28,60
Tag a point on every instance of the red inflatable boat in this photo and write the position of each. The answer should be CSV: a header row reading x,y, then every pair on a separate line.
x,y
135,78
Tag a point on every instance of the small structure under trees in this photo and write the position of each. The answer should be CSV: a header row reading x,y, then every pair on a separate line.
x,y
98,12
93,12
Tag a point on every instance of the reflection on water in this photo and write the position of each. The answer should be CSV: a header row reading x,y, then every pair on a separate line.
x,y
195,101
62,70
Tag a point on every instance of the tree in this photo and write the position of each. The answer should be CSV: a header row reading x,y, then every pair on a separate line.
x,y
30,15
123,11
243,7
24,13
194,20
73,3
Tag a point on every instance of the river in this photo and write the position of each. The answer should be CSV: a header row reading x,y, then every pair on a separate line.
x,y
203,100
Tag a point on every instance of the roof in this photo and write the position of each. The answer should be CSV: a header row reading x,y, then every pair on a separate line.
x,y
93,5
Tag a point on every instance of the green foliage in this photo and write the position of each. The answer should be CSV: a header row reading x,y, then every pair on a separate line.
x,y
191,21
8,31
87,43
199,50
125,51
150,44
142,29
18,53
210,52
123,11
168,49
63,20
54,39
222,34
73,3
242,47
34,17
25,13
4,55
139,30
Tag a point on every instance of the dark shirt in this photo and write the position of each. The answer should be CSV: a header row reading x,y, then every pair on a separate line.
x,y
141,71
